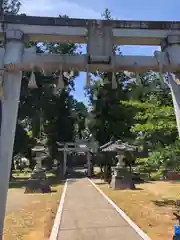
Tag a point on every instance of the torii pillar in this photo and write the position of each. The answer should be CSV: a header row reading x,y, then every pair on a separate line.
x,y
14,49
171,46
175,92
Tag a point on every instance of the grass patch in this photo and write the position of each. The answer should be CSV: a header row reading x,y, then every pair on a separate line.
x,y
19,179
151,208
35,217
27,174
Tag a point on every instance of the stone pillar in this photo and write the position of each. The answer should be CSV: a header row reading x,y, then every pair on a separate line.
x,y
171,46
14,49
175,91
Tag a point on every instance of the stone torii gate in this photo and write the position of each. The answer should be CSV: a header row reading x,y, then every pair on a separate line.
x,y
75,147
100,37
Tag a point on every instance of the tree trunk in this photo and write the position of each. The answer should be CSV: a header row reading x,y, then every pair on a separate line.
x,y
12,168
130,168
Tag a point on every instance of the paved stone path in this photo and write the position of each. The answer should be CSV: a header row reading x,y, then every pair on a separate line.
x,y
87,215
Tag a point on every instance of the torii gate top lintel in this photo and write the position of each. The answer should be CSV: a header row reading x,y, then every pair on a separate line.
x,y
77,146
60,29
80,22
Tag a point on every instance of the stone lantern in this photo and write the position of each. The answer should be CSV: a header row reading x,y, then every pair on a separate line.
x,y
38,172
122,177
38,181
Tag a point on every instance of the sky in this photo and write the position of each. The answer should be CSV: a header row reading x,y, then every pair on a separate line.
x,y
120,9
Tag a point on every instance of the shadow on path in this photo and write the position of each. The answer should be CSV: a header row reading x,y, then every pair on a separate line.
x,y
77,173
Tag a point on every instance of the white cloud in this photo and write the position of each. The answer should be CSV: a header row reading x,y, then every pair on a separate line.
x,y
55,8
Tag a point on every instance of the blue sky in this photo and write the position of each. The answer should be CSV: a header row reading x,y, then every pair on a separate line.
x,y
120,9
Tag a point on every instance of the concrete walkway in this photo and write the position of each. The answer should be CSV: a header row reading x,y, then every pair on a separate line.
x,y
87,215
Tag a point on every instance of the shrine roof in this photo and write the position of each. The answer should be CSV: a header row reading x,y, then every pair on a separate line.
x,y
117,146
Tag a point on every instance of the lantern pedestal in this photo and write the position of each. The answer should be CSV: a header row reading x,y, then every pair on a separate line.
x,y
121,178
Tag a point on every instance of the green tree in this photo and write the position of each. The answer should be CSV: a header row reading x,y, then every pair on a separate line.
x,y
80,114
154,124
11,6
59,118
45,111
